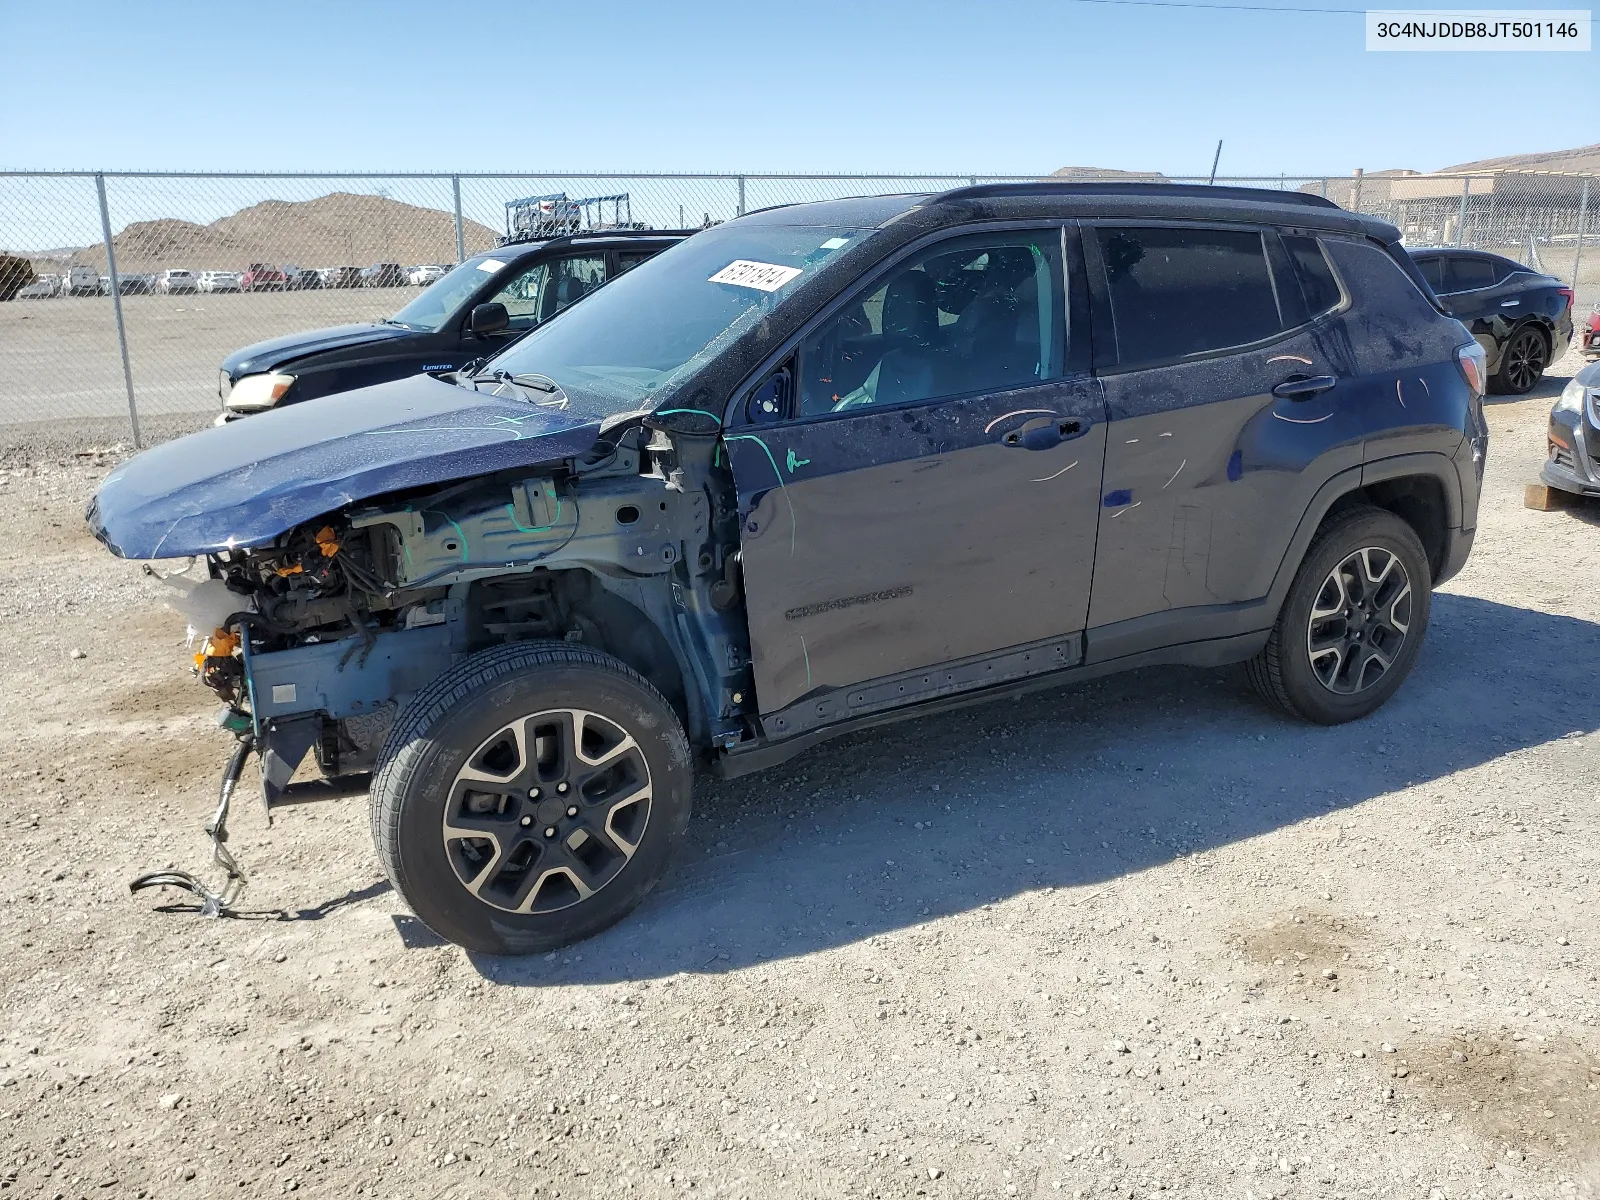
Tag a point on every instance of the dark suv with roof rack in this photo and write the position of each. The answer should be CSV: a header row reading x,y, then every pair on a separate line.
x,y
474,311
818,468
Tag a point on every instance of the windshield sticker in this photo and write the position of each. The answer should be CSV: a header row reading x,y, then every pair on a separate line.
x,y
491,265
835,243
764,277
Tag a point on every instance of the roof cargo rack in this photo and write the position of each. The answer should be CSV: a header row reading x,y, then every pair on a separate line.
x,y
1055,187
534,218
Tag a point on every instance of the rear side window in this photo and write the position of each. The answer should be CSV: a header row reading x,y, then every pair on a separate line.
x,y
1180,292
1469,274
630,259
1311,270
1433,271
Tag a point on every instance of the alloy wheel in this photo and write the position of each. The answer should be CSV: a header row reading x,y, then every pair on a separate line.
x,y
1359,620
1524,361
547,811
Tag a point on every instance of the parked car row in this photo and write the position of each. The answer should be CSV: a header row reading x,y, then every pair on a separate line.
x,y
257,277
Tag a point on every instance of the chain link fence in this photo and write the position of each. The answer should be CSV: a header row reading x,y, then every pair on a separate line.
x,y
120,293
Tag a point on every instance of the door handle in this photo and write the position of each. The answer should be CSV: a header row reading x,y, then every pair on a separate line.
x,y
1044,433
1509,303
1303,387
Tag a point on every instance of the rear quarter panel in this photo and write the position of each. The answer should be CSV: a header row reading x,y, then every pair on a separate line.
x,y
1406,389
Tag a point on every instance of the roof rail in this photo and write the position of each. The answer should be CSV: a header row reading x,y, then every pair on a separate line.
x,y
1063,187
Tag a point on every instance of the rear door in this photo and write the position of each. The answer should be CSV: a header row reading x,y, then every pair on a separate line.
x,y
918,484
1206,466
1470,293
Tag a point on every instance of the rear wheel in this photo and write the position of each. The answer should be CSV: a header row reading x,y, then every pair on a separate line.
x,y
1522,363
1353,622
531,797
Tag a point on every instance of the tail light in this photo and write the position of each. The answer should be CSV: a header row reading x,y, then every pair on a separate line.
x,y
1566,294
1474,366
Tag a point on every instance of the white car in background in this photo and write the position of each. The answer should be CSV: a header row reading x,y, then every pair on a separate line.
x,y
80,281
426,273
43,288
176,280
218,281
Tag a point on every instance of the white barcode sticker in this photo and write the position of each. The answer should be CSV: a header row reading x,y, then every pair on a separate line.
x,y
764,277
490,265
835,243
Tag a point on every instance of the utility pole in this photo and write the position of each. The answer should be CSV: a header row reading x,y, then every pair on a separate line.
x,y
1215,159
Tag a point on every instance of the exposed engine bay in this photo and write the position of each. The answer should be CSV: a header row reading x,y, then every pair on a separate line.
x,y
316,640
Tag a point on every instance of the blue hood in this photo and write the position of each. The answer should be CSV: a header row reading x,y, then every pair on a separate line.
x,y
246,482
275,352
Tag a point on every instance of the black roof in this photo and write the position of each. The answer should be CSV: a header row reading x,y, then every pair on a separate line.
x,y
1063,198
1165,191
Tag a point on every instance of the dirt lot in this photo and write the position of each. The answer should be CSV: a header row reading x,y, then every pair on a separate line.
x,y
1139,937
60,367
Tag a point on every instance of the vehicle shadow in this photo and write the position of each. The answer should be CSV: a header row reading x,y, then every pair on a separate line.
x,y
1069,789
1548,388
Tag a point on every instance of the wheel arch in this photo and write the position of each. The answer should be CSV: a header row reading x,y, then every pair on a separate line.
x,y
1421,489
578,604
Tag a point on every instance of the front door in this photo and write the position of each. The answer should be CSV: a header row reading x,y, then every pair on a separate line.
x,y
928,491
535,294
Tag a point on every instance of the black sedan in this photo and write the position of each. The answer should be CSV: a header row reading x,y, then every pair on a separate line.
x,y
1521,317
474,311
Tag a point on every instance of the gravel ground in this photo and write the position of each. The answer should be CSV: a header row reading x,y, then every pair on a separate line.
x,y
1139,937
59,359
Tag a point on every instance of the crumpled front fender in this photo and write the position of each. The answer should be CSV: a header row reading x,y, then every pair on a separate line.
x,y
245,482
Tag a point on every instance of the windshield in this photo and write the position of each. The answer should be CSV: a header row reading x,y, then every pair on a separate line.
x,y
440,300
646,330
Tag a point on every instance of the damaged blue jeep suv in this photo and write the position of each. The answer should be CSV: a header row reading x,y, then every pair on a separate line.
x,y
815,469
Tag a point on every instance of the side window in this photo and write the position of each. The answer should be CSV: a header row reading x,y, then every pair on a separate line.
x,y
1311,270
1433,271
520,295
1181,292
629,259
570,280
1505,268
977,314
1469,274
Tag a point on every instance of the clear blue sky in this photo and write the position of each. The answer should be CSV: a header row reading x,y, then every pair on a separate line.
x,y
940,85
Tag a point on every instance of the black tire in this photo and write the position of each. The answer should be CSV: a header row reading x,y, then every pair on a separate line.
x,y
450,728
1320,671
1522,362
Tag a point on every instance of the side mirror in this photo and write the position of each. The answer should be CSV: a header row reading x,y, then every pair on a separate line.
x,y
489,318
769,401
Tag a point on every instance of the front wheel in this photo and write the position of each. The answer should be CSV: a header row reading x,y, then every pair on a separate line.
x,y
530,797
1353,622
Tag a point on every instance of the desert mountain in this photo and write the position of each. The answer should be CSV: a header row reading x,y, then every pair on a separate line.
x,y
1090,174
1580,160
333,230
